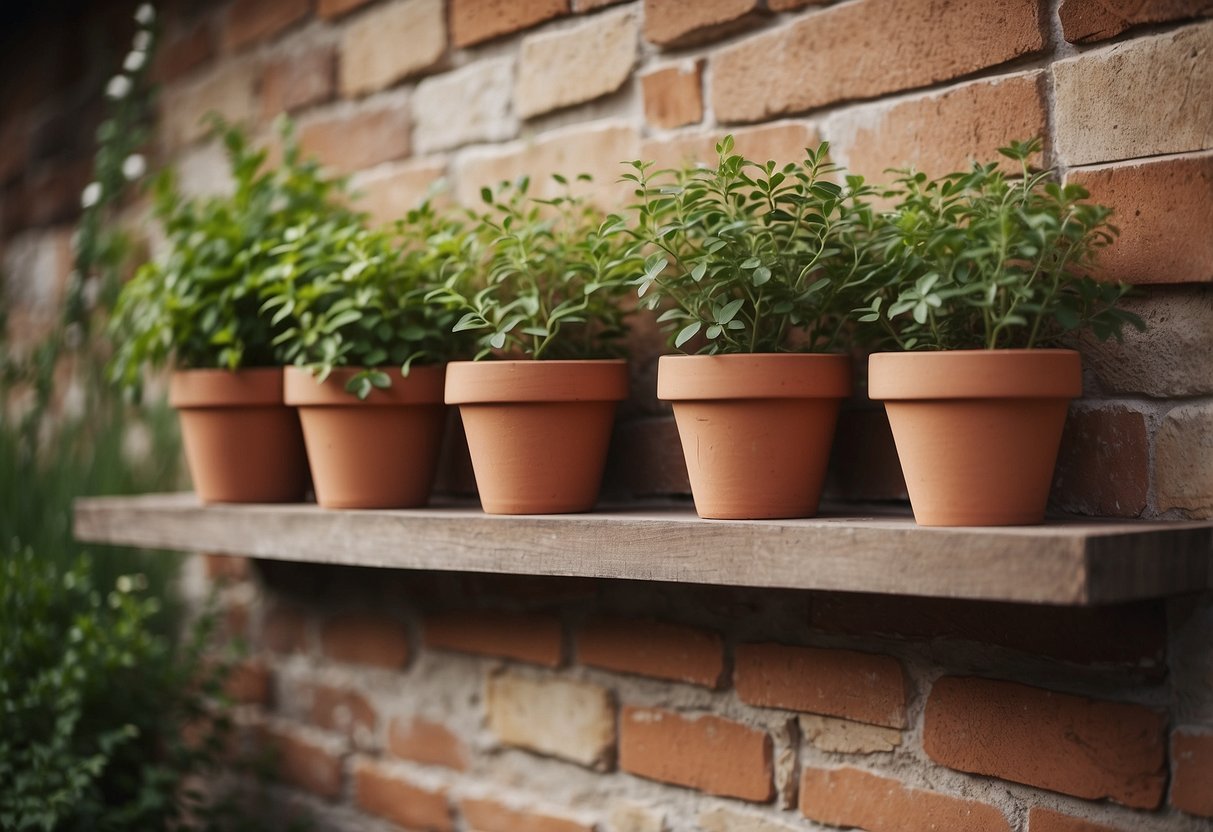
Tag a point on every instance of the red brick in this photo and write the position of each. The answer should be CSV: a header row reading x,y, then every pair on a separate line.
x,y
707,753
348,143
227,567
235,621
381,793
781,141
864,687
1192,772
673,95
527,637
652,648
1041,819
484,815
928,41
181,52
474,21
1163,208
388,195
423,741
292,82
1084,21
249,21
329,9
679,22
285,629
250,682
343,711
1070,744
364,638
852,797
1103,468
305,761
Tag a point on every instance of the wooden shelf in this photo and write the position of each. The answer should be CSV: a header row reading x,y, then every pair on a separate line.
x,y
1074,562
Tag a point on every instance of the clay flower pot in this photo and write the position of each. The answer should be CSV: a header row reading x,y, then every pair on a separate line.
x,y
243,445
380,452
977,431
755,429
537,431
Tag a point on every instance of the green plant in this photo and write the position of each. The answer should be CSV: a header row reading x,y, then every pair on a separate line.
x,y
202,306
349,296
984,260
542,278
750,256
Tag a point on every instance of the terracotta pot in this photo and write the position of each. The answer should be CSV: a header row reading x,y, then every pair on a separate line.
x,y
537,431
243,445
755,429
380,452
977,431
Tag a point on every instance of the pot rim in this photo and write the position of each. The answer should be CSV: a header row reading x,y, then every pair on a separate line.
x,y
754,376
422,386
975,374
575,380
245,387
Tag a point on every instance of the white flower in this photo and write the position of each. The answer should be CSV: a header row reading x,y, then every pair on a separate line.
x,y
143,41
145,14
125,583
134,166
118,87
91,195
134,61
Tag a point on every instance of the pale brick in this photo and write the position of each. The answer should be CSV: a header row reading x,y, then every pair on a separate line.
x,y
679,22
204,171
943,131
781,141
1164,210
299,79
860,50
348,141
722,819
390,43
1143,97
553,69
559,717
673,95
249,21
228,90
1183,460
630,817
468,105
388,192
846,737
35,269
1173,357
473,21
1083,21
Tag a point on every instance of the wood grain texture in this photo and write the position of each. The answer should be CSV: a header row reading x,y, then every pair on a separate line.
x,y
1063,562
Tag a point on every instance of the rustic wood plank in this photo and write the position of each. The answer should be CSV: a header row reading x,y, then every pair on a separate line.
x,y
1063,562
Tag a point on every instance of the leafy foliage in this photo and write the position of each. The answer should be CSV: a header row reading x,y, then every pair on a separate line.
x,y
982,260
746,254
542,278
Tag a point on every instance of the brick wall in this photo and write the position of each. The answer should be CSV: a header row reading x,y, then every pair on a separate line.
x,y
461,702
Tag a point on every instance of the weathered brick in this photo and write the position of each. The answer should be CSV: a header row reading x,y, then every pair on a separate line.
x,y
861,686
389,192
250,682
350,141
853,797
1163,207
680,22
633,817
1083,747
380,791
428,742
329,9
646,459
389,43
473,21
1041,819
306,759
765,75
284,629
673,94
249,21
227,568
483,114
1085,21
827,733
559,717
1192,771
781,141
343,711
365,638
707,753
553,71
184,50
527,637
487,815
944,131
722,819
229,89
1103,468
301,79
1125,101
652,648
1183,460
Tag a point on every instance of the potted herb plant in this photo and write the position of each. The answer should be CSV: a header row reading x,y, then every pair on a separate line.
x,y
199,310
985,275
752,268
538,401
369,349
